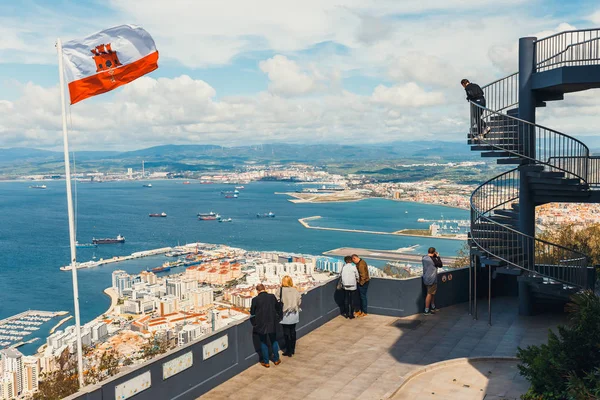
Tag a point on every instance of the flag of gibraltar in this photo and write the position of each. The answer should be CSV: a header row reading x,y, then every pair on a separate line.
x,y
108,59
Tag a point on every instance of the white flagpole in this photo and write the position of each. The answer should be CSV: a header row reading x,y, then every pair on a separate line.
x,y
70,211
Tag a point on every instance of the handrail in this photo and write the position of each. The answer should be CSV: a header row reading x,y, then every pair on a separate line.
x,y
528,129
563,44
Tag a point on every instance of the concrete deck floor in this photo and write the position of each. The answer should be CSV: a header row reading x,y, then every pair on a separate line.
x,y
368,358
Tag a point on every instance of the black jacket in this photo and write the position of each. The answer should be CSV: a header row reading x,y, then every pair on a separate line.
x,y
474,92
263,313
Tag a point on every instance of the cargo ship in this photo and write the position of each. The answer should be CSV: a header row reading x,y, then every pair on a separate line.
x,y
211,216
118,239
37,187
266,215
161,215
163,268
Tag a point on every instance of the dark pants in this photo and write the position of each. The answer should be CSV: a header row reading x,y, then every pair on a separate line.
x,y
477,114
362,290
349,303
264,346
289,334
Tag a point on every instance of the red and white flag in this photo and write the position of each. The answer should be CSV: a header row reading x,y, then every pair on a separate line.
x,y
108,59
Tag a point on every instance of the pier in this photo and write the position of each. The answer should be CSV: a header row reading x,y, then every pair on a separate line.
x,y
385,255
304,223
139,254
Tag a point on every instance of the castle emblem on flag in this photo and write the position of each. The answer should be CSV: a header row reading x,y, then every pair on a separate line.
x,y
105,57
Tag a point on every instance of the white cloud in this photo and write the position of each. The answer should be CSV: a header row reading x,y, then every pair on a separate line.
x,y
408,95
183,110
286,78
595,17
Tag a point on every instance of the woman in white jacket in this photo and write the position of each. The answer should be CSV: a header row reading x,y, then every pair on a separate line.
x,y
349,277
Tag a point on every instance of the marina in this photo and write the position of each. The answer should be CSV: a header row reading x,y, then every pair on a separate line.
x,y
14,329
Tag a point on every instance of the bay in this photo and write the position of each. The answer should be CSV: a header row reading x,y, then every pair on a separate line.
x,y
34,240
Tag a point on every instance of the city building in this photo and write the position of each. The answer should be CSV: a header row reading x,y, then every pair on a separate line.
x,y
31,374
12,362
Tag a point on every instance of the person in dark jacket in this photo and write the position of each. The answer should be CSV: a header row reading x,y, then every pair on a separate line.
x,y
265,318
363,284
475,94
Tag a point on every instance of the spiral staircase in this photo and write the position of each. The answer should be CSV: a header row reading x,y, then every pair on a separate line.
x,y
549,166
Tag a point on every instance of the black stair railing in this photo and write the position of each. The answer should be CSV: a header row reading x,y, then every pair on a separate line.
x,y
569,48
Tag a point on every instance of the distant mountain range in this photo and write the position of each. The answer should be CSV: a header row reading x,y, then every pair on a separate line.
x,y
210,157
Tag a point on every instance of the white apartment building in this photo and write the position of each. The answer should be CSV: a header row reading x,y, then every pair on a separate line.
x,y
12,362
168,305
8,386
31,374
202,297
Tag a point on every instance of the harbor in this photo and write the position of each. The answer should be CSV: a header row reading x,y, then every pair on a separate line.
x,y
385,255
14,329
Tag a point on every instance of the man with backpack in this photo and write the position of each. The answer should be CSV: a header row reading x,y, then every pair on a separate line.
x,y
431,263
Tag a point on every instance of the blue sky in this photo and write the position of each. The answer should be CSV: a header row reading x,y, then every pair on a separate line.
x,y
234,72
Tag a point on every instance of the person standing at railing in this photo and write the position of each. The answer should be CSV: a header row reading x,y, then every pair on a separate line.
x,y
264,317
363,283
349,277
475,94
431,263
291,298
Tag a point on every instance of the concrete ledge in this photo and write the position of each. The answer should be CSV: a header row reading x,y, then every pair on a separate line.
x,y
443,364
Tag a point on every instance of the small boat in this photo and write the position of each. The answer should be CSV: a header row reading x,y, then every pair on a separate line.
x,y
85,245
239,187
186,182
118,239
147,185
405,212
37,187
225,220
231,196
161,215
266,215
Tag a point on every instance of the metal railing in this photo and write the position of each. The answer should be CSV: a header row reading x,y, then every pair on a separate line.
x,y
503,93
570,48
555,150
594,171
509,245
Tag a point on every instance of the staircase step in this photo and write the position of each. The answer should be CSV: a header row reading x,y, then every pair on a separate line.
x,y
480,146
555,187
495,154
507,213
532,168
509,271
517,161
546,174
555,181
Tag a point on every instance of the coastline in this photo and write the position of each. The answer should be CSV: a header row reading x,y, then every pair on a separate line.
x,y
114,298
299,200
